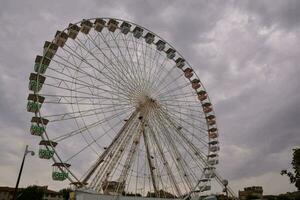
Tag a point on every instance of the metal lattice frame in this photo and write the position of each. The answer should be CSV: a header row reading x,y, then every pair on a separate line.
x,y
138,106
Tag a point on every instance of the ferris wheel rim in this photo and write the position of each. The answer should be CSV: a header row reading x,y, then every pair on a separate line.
x,y
107,18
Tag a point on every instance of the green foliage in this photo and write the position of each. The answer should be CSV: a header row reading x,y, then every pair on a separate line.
x,y
65,193
295,175
249,197
32,193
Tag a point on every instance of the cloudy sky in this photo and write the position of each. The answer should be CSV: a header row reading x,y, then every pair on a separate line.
x,y
245,52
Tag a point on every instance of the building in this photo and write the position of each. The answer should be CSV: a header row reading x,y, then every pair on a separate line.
x,y
256,192
6,193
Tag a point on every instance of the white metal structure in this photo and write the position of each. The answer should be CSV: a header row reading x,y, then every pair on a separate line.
x,y
116,101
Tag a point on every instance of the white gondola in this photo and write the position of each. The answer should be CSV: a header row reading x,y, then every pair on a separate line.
x,y
211,120
210,174
204,188
137,32
180,62
125,27
112,25
49,50
204,180
149,38
196,84
209,168
160,45
188,73
60,38
213,155
207,107
170,53
202,95
99,24
73,31
213,142
214,148
41,64
86,26
213,162
212,133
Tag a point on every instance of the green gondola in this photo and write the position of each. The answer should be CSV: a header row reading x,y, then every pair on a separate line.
x,y
60,171
36,82
59,176
36,126
46,150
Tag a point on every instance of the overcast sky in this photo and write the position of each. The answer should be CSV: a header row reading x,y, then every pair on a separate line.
x,y
246,53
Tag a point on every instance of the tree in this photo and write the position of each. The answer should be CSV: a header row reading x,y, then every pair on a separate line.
x,y
31,192
294,176
65,193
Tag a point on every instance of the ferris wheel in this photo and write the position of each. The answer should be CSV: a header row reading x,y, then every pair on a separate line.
x,y
120,111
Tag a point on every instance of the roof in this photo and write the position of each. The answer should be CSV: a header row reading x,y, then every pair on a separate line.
x,y
44,188
7,189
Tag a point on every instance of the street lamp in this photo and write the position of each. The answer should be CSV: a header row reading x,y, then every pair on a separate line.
x,y
21,169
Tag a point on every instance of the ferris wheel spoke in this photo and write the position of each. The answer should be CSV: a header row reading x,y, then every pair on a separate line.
x,y
75,54
69,98
162,80
186,109
137,46
133,67
75,112
94,141
87,127
162,92
83,85
121,68
184,122
133,78
175,123
87,74
151,66
172,124
98,70
81,98
157,73
178,96
189,114
81,115
145,64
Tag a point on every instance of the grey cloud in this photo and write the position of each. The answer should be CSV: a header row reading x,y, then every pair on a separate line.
x,y
284,14
245,63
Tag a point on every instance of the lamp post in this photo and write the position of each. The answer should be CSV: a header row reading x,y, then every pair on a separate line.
x,y
21,169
